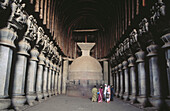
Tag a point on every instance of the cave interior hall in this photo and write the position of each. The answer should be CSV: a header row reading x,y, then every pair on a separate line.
x,y
62,48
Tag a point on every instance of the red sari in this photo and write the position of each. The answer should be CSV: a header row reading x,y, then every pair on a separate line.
x,y
100,97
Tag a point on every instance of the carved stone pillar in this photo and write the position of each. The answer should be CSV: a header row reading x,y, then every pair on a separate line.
x,y
117,81
50,79
55,80
166,47
121,81
65,74
156,96
105,64
126,75
113,79
114,76
31,77
18,98
59,81
45,78
131,66
142,77
7,38
40,72
111,75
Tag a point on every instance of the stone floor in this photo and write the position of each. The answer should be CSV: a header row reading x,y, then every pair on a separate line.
x,y
64,103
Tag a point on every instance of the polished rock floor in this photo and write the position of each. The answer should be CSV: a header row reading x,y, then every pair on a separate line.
x,y
64,103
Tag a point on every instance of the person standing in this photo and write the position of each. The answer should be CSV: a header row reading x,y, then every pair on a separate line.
x,y
112,93
94,94
105,91
108,94
100,96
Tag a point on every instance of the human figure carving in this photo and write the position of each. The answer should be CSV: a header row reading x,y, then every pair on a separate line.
x,y
46,43
144,26
17,14
35,29
133,36
29,26
157,10
121,49
50,48
20,15
40,35
4,4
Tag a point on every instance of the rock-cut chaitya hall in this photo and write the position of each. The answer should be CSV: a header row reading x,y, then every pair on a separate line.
x,y
51,48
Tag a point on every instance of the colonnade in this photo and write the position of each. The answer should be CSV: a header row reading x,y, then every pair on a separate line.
x,y
137,82
139,65
30,63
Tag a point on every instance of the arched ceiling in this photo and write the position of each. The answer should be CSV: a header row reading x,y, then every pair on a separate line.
x,y
86,13
111,17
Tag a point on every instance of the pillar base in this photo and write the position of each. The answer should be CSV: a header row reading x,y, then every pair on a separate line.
x,y
126,97
133,99
117,94
56,92
45,95
31,99
49,94
52,93
121,96
39,97
18,101
5,103
159,103
144,101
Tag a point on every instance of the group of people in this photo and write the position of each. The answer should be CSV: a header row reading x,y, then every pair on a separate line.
x,y
105,94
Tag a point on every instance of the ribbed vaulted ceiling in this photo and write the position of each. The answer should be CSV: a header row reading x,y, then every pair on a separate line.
x,y
111,17
86,13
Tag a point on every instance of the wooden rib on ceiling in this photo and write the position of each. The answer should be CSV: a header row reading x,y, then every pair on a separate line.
x,y
41,8
45,13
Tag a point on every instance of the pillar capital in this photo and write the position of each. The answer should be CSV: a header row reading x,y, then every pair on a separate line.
x,y
7,37
131,61
58,69
116,68
112,70
47,62
34,54
152,50
51,65
120,67
24,46
41,59
140,55
166,39
125,64
54,67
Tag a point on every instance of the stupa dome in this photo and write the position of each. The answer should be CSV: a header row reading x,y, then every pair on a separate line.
x,y
85,67
85,63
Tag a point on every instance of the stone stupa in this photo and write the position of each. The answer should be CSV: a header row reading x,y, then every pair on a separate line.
x,y
85,72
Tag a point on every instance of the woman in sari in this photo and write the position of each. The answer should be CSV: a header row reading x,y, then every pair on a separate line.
x,y
108,94
94,94
100,96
